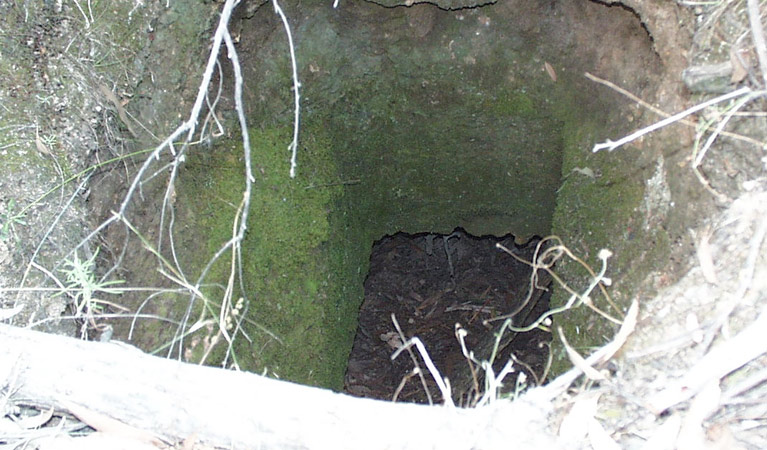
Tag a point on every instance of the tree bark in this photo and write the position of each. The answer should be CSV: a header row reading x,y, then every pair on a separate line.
x,y
174,401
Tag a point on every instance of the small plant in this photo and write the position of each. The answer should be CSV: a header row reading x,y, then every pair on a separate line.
x,y
8,219
82,286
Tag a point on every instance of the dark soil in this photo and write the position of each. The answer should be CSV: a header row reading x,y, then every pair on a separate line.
x,y
430,283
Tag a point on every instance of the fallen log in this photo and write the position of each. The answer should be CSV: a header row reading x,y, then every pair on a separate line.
x,y
174,401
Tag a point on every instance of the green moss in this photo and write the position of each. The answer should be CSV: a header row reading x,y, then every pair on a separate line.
x,y
431,168
285,257
599,212
514,103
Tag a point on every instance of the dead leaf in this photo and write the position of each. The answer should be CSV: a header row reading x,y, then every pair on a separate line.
x,y
664,437
575,425
705,259
599,438
110,426
692,434
189,442
121,113
10,312
578,360
586,171
392,339
739,71
550,71
720,437
41,147
627,327
37,420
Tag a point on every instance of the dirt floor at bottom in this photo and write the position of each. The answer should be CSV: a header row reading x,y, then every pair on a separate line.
x,y
431,283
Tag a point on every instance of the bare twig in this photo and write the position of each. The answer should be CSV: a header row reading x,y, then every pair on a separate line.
x,y
723,123
743,386
443,384
416,367
610,145
660,112
754,18
296,85
189,126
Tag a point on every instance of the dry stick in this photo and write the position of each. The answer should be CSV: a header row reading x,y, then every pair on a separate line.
x,y
212,108
191,123
167,205
249,178
403,382
755,21
749,383
662,113
443,384
226,301
238,230
712,137
296,85
416,367
610,145
718,131
720,126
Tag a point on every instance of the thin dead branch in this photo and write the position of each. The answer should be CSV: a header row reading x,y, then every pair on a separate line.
x,y
443,384
660,112
610,145
755,20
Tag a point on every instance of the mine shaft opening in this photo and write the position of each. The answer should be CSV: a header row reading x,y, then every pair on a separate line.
x,y
412,119
435,285
417,120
